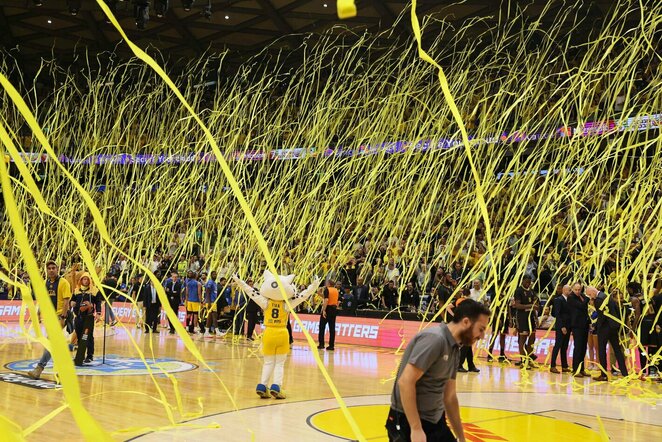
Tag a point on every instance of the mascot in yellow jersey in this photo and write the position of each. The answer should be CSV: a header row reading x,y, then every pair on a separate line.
x,y
275,340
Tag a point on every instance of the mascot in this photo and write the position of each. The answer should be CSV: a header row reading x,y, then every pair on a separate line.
x,y
275,340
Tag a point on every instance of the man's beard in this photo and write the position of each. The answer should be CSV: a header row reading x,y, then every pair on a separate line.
x,y
467,337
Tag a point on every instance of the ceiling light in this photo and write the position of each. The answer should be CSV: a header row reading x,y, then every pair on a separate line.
x,y
50,21
227,17
325,5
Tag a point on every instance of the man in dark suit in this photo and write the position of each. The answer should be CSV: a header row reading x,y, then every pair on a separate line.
x,y
607,327
361,293
579,326
174,288
152,304
561,312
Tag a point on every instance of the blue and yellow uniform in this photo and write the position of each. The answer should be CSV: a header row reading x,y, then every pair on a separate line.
x,y
192,296
275,340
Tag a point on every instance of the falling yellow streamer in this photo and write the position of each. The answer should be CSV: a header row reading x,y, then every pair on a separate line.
x,y
508,85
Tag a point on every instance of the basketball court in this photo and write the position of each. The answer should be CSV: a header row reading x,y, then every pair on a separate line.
x,y
500,403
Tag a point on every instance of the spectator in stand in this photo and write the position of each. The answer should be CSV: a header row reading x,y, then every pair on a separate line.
x,y
392,272
349,273
457,273
154,264
475,292
389,296
361,293
444,291
410,297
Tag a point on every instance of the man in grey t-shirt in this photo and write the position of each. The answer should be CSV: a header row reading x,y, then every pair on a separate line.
x,y
424,391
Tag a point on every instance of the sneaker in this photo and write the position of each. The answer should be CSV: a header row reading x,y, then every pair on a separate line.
x,y
275,392
36,373
206,335
262,391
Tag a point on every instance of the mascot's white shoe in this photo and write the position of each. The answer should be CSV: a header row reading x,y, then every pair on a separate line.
x,y
262,391
276,393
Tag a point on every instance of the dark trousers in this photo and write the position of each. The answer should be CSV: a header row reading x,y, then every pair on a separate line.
x,y
174,305
238,321
609,335
560,344
580,336
289,329
467,354
399,430
84,324
251,316
152,322
331,312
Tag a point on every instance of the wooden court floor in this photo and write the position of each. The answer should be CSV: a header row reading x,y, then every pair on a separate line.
x,y
499,403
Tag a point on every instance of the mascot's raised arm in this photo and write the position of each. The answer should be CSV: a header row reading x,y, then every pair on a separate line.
x,y
275,340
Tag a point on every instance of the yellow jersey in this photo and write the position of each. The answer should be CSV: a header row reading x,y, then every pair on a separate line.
x,y
275,314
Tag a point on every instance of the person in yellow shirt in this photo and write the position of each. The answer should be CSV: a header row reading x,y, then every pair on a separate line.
x,y
275,340
59,291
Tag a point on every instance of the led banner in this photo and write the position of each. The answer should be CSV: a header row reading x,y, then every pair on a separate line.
x,y
385,333
588,129
10,311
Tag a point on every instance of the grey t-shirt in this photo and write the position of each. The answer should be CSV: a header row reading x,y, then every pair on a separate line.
x,y
435,351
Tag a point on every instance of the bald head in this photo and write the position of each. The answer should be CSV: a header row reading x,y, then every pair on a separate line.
x,y
591,292
566,290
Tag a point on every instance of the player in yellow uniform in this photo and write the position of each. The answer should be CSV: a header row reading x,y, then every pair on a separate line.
x,y
275,340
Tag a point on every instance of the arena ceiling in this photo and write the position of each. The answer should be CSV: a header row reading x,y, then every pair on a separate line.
x,y
243,27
